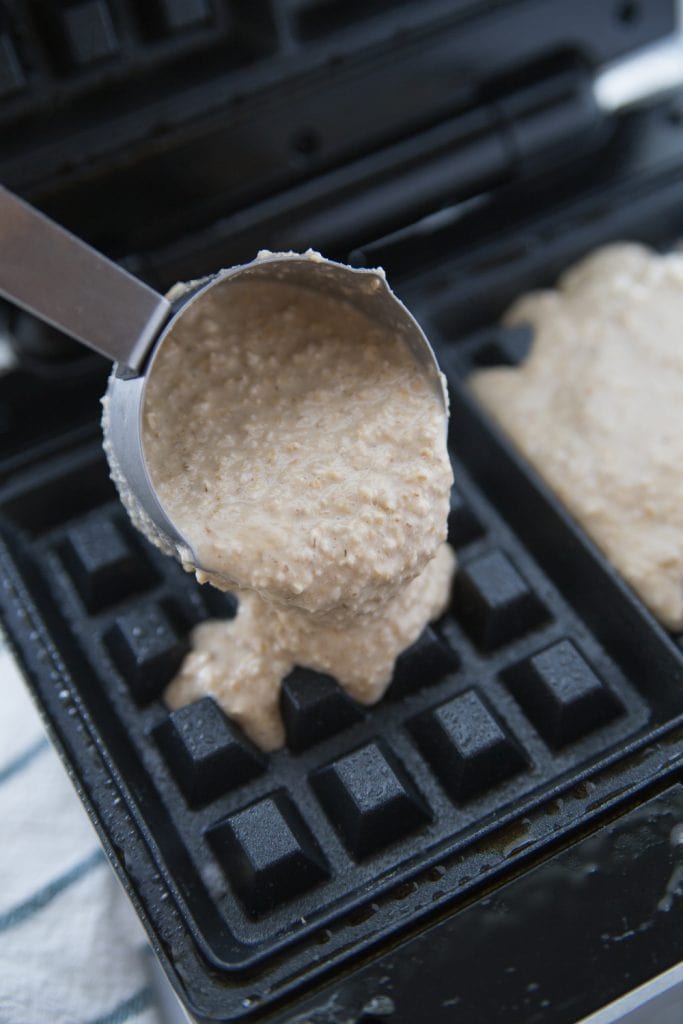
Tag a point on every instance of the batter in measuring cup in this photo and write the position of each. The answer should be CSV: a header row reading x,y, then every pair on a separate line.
x,y
296,445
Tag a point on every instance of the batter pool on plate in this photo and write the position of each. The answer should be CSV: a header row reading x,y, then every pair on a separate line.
x,y
597,409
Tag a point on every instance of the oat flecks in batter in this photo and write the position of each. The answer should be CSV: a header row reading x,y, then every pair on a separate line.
x,y
597,408
298,448
242,662
296,445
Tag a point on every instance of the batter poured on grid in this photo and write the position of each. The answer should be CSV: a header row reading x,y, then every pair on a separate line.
x,y
303,456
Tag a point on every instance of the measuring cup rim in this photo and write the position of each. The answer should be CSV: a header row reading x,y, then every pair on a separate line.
x,y
131,392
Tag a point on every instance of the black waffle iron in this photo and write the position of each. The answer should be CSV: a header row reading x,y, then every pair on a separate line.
x,y
496,841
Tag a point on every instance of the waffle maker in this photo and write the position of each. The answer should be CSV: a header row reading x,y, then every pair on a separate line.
x,y
500,838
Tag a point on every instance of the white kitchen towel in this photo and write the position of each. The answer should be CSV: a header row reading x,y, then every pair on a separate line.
x,y
72,950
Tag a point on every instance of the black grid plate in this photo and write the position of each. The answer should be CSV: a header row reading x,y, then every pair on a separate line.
x,y
283,847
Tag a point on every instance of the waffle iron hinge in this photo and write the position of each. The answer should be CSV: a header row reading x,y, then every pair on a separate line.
x,y
553,117
547,120
551,123
562,115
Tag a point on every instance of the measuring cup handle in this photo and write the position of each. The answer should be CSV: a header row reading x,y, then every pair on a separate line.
x,y
61,280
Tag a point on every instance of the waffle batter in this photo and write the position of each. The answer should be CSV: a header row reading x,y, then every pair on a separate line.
x,y
303,456
597,408
243,662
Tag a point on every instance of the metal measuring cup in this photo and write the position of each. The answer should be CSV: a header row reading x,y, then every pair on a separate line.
x,y
59,279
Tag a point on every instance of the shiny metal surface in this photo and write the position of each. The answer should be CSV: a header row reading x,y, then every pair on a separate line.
x,y
61,280
658,1001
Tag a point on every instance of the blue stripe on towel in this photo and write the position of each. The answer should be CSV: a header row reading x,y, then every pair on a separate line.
x,y
129,1008
24,759
20,913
